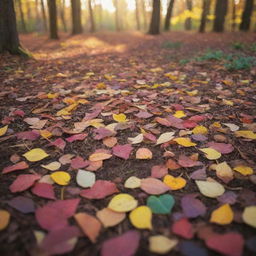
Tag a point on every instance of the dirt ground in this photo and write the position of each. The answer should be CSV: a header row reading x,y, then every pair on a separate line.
x,y
129,70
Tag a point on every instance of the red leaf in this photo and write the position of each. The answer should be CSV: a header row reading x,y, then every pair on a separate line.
x,y
122,151
28,135
124,245
78,162
23,182
223,148
230,244
44,190
183,228
19,166
59,143
185,161
54,215
99,190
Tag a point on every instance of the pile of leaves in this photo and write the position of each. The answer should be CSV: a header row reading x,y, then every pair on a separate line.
x,y
150,160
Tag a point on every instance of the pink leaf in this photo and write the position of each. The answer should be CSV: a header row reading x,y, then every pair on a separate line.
x,y
19,166
28,135
183,228
23,182
123,245
185,161
153,186
59,143
100,190
78,162
122,151
44,190
159,171
221,147
76,137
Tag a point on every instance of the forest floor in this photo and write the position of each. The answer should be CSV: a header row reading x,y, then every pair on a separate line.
x,y
100,103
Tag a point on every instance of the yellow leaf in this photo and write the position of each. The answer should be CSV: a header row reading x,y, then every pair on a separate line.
x,y
4,219
53,166
192,93
120,118
223,215
244,170
45,134
224,171
143,153
174,183
210,189
122,203
246,134
61,178
52,95
179,114
249,216
161,244
141,217
132,182
35,155
185,142
3,130
211,153
200,130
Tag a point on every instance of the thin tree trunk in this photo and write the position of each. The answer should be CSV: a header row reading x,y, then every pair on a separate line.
x,y
137,12
154,28
9,40
29,16
53,24
92,23
117,15
62,15
168,16
37,16
44,15
246,17
23,22
188,21
221,9
234,15
205,12
76,17
144,13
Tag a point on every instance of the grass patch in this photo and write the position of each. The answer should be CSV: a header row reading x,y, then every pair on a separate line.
x,y
171,45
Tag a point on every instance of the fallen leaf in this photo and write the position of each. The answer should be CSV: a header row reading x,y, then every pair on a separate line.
x,y
249,216
35,155
89,225
159,171
161,244
85,179
244,170
192,207
165,137
200,130
141,217
4,219
61,178
222,215
110,218
153,186
136,140
183,228
22,204
3,130
19,166
224,172
143,153
122,203
162,204
44,190
122,151
132,182
211,153
120,118
185,142
23,182
53,166
99,156
246,134
174,183
210,189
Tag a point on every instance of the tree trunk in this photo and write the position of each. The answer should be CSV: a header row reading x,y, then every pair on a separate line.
x,y
76,17
234,15
137,11
154,28
44,15
53,25
205,12
144,13
221,9
62,15
92,23
23,23
246,17
115,2
37,16
188,21
29,16
168,16
9,40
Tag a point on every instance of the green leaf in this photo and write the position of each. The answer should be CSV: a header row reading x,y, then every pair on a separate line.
x,y
162,204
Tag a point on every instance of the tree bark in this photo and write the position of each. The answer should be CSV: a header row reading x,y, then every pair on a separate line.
x,y
115,2
188,21
44,15
92,23
154,28
168,16
137,13
234,15
9,40
221,9
23,22
53,24
76,17
205,12
246,17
